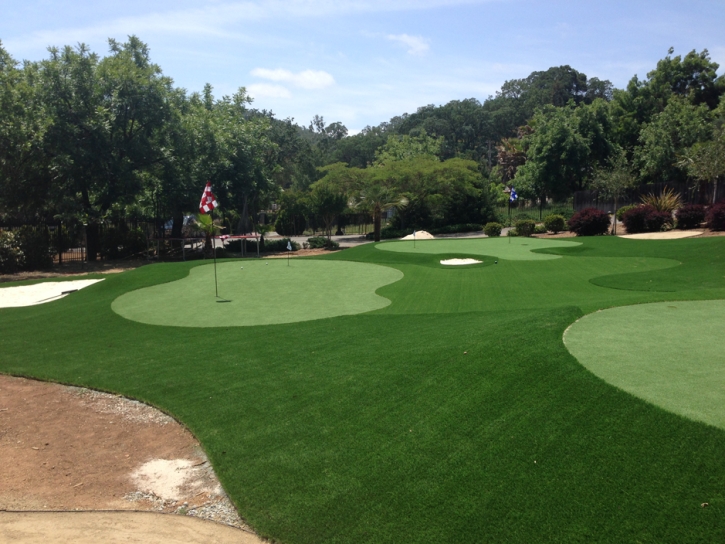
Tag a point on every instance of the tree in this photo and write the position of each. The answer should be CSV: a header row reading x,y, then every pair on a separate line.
x,y
399,148
328,203
614,181
679,126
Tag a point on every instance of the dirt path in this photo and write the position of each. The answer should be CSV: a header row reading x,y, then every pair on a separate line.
x,y
69,449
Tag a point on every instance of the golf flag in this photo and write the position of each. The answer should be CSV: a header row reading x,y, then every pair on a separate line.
x,y
513,195
289,245
208,200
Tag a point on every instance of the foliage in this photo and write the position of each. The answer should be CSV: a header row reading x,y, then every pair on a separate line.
x,y
12,258
403,148
716,216
555,223
624,209
645,218
589,222
279,245
327,202
540,229
493,229
320,242
690,216
452,229
36,247
389,233
666,201
525,227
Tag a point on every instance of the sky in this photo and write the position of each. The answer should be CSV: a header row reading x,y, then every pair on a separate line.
x,y
361,62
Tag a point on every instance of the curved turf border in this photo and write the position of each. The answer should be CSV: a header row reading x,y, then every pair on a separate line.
x,y
514,249
667,353
260,292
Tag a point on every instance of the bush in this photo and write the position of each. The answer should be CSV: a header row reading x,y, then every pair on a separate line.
x,y
117,243
279,245
589,222
452,229
645,218
387,233
12,257
555,223
492,229
35,245
525,227
690,216
624,209
321,242
716,216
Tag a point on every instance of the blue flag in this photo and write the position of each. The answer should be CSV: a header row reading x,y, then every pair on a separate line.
x,y
513,195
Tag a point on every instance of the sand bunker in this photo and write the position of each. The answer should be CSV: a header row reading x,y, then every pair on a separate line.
x,y
670,235
460,262
39,293
419,235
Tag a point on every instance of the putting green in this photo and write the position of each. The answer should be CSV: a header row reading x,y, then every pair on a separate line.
x,y
263,292
671,354
512,249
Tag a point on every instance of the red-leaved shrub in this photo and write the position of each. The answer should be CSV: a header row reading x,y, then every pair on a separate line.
x,y
589,222
690,216
716,216
645,218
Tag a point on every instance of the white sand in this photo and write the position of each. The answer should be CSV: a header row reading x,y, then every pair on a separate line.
x,y
460,262
419,235
669,235
165,478
39,293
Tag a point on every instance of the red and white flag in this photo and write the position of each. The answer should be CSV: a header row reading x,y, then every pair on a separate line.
x,y
208,200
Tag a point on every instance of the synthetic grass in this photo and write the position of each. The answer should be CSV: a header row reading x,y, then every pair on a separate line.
x,y
260,293
671,354
514,249
455,414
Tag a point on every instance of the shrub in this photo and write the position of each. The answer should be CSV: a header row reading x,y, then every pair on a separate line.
x,y
12,257
525,227
320,242
690,216
492,229
540,229
716,216
624,209
387,233
278,245
645,218
555,223
667,201
452,229
35,245
589,222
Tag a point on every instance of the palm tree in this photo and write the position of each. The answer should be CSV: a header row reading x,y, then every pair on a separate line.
x,y
375,198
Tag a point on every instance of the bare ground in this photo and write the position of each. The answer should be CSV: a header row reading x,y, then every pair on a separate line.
x,y
69,449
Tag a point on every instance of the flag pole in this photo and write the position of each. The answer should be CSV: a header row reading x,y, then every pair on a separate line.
x,y
213,249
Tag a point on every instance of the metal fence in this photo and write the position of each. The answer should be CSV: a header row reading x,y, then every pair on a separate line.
x,y
690,194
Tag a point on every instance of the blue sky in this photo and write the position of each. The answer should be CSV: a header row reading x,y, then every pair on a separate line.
x,y
363,61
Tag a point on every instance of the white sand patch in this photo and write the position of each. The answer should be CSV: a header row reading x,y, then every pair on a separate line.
x,y
419,235
670,235
460,262
39,293
169,479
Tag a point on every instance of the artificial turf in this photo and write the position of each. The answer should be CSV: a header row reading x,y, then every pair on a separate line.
x,y
454,414
260,292
671,354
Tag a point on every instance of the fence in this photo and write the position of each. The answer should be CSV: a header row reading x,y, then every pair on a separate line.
x,y
690,194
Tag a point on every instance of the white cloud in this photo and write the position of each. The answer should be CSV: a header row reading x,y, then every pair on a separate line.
x,y
307,79
265,90
417,45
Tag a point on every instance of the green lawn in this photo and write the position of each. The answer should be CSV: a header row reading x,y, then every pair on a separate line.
x,y
453,414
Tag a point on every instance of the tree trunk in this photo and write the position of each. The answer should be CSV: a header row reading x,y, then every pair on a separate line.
x,y
93,241
377,217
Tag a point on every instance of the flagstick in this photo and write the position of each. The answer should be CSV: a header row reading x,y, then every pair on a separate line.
x,y
213,249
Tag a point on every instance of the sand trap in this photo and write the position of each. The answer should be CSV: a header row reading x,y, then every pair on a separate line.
x,y
670,235
460,262
39,293
165,478
419,235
